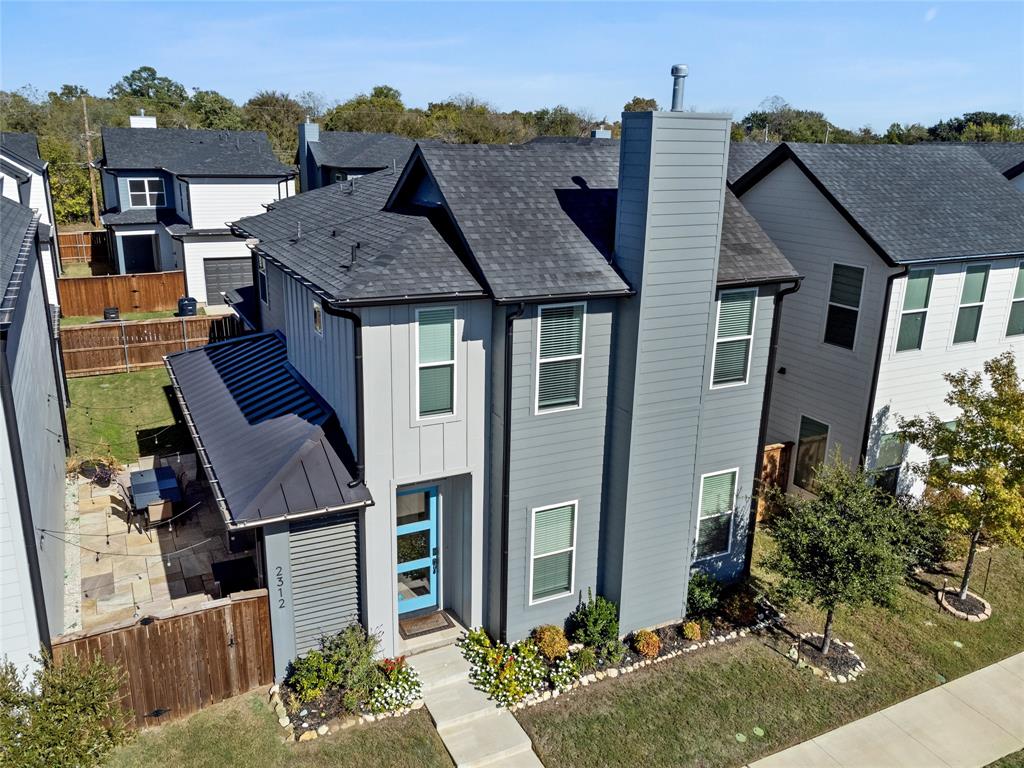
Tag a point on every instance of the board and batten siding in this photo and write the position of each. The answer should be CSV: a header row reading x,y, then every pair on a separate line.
x,y
555,457
671,196
827,383
272,313
216,201
124,198
198,250
911,383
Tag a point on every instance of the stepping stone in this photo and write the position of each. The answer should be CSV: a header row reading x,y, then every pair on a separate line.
x,y
440,667
457,703
494,742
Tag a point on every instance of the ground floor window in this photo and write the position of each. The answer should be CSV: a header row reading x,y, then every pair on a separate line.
x,y
810,452
888,463
717,506
553,551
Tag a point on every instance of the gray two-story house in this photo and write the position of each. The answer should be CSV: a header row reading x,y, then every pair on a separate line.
x,y
327,157
496,379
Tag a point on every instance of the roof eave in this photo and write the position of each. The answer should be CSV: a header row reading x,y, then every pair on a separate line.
x,y
759,281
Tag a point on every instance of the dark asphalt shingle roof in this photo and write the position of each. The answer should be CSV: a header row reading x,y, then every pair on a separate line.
x,y
744,155
915,203
17,224
277,449
191,152
24,145
399,255
747,254
1006,156
166,216
349,149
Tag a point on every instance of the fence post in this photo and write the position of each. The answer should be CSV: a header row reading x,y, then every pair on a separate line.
x,y
184,334
124,343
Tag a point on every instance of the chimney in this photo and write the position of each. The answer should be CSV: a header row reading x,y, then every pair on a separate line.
x,y
142,120
679,73
600,133
309,174
672,174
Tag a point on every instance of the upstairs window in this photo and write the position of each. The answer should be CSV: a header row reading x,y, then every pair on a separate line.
x,y
733,338
318,318
843,305
560,358
810,452
146,193
972,299
435,362
553,552
1015,327
717,503
261,280
915,309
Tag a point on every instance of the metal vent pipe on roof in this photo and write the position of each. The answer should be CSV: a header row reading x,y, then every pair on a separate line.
x,y
679,73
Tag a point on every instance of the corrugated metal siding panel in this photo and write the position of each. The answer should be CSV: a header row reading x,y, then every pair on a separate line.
x,y
324,557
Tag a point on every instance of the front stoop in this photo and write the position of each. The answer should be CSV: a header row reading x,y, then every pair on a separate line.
x,y
474,730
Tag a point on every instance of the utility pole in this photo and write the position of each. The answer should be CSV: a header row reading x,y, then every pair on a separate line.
x,y
828,130
92,171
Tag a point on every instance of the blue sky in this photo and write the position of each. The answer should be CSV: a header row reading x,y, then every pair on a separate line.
x,y
860,63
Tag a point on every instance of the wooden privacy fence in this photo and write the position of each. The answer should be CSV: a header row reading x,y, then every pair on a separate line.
x,y
774,474
142,292
122,347
83,247
177,665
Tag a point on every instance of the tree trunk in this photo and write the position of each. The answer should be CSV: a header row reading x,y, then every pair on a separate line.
x,y
969,568
826,643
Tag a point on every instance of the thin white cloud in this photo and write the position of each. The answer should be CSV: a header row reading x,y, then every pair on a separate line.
x,y
930,14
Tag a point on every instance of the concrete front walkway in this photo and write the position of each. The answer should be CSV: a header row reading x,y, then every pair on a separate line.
x,y
967,723
474,731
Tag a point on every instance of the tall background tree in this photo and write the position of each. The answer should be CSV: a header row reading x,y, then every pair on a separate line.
x,y
279,115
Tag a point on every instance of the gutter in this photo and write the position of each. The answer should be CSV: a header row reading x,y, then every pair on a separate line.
x,y
357,332
762,429
506,441
878,361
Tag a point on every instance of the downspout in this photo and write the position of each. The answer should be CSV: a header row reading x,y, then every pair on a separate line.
x,y
506,440
357,332
762,430
57,355
21,490
878,362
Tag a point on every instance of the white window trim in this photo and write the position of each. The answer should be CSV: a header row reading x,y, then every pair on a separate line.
x,y
858,309
149,193
1012,302
453,363
537,410
796,448
903,300
750,338
575,504
735,471
318,309
261,269
960,305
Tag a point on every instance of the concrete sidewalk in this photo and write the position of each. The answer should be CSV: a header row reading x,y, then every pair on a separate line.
x,y
967,723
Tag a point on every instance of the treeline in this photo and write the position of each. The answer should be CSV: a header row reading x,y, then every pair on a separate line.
x,y
58,118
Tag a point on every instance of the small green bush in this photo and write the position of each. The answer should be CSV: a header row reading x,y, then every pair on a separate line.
x,y
586,660
563,674
551,641
691,630
311,675
646,643
612,652
595,622
345,661
702,595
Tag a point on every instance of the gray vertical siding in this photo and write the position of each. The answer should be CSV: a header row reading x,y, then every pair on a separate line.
x,y
273,317
556,457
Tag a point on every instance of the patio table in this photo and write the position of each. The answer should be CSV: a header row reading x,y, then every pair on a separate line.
x,y
154,491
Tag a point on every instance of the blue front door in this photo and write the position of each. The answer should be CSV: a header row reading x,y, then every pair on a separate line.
x,y
417,549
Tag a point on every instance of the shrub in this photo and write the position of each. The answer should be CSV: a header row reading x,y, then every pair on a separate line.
x,y
586,660
702,595
646,643
564,673
929,542
399,686
705,628
506,674
740,604
476,645
612,652
691,630
68,714
345,661
595,622
311,675
551,641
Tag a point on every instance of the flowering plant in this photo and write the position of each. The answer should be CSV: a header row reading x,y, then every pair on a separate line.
x,y
564,673
506,673
398,688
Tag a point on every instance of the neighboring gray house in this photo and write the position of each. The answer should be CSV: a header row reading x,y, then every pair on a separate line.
x,y
326,157
912,257
495,379
1007,157
33,438
172,193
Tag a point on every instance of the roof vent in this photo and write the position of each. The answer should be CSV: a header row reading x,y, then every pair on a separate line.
x,y
679,73
600,133
142,120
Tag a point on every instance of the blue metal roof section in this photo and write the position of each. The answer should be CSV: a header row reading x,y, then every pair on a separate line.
x,y
271,447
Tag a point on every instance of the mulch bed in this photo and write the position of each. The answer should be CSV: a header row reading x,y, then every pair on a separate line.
x,y
308,717
842,665
969,605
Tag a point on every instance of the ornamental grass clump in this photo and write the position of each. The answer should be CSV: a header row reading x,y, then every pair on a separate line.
x,y
398,688
585,660
551,641
646,643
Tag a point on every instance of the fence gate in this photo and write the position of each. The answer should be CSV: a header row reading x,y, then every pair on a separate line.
x,y
178,665
774,473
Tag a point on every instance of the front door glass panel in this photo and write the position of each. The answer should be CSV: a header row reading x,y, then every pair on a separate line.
x,y
417,549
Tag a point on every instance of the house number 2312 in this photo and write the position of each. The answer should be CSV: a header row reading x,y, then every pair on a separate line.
x,y
279,578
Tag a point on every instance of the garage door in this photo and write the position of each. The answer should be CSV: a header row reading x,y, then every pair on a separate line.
x,y
223,275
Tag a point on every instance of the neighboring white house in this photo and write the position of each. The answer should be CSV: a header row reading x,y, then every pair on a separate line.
x,y
911,257
171,195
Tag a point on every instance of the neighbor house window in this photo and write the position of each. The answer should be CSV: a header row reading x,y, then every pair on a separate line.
x,y
146,193
318,318
972,299
560,357
810,452
717,502
435,361
887,465
733,337
915,309
843,305
553,551
261,280
1015,327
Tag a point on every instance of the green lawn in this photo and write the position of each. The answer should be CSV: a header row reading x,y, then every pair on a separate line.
x,y
83,319
123,414
244,732
687,712
1016,760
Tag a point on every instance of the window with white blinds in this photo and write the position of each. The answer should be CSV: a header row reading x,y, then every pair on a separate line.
x,y
843,305
435,362
560,357
553,551
734,337
717,504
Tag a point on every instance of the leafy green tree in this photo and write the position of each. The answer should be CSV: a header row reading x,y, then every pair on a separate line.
x,y
279,115
380,111
976,475
560,121
21,111
467,120
841,548
640,104
69,180
212,110
144,83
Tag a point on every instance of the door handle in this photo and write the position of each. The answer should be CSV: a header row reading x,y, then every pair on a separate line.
x,y
433,561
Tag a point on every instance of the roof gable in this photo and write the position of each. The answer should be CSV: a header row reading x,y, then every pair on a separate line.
x,y
187,152
23,146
